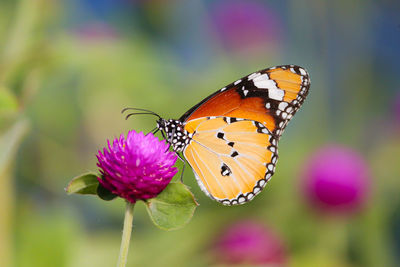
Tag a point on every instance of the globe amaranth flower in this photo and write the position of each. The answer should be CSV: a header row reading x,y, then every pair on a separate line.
x,y
250,242
336,180
137,167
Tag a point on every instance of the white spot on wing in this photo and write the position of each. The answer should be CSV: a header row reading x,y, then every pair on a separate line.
x,y
276,93
254,75
263,81
302,71
283,105
238,81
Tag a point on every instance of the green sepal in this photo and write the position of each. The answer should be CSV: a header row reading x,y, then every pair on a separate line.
x,y
105,194
84,184
173,207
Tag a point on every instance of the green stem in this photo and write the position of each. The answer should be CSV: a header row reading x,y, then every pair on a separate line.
x,y
126,235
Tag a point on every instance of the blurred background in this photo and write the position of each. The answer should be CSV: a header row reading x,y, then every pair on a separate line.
x,y
67,68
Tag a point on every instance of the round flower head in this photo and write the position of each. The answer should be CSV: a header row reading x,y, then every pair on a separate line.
x,y
250,242
336,179
138,167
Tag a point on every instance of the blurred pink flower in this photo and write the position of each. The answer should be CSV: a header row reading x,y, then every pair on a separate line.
x,y
97,31
397,108
250,242
245,24
336,180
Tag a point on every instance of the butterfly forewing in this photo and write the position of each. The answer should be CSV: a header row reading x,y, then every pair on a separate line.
x,y
270,96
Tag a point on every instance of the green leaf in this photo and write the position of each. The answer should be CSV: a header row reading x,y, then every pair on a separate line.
x,y
173,208
105,194
84,184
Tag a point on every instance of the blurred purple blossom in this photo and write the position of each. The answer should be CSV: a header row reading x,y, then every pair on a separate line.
x,y
96,31
136,168
336,179
250,242
397,108
245,24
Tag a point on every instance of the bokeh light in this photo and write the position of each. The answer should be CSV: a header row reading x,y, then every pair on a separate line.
x,y
396,108
250,242
247,25
336,179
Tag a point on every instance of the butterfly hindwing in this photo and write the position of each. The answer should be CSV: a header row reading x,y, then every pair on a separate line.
x,y
232,158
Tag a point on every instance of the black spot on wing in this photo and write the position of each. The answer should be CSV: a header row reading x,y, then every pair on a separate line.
x,y
247,89
225,170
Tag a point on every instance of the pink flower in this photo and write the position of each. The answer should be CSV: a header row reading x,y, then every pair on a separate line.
x,y
336,179
138,167
97,32
250,242
245,24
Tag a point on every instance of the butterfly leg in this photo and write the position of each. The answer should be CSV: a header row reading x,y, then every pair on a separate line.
x,y
184,164
169,145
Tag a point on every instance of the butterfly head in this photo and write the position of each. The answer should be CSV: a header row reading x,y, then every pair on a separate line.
x,y
174,133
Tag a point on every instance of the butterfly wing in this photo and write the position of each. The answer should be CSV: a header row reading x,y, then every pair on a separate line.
x,y
232,158
236,130
271,96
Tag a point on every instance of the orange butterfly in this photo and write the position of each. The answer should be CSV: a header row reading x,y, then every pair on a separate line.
x,y
230,138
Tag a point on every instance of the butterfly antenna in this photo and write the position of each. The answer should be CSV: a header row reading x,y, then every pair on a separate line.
x,y
139,113
141,109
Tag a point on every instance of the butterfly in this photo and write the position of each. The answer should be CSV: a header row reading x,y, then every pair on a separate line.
x,y
230,139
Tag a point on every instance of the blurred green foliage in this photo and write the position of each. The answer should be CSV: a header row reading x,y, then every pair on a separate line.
x,y
63,84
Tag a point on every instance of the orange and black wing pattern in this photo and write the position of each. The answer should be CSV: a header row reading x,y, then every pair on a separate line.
x,y
270,96
235,132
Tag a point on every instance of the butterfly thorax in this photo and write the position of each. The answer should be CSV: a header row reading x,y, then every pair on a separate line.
x,y
175,134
